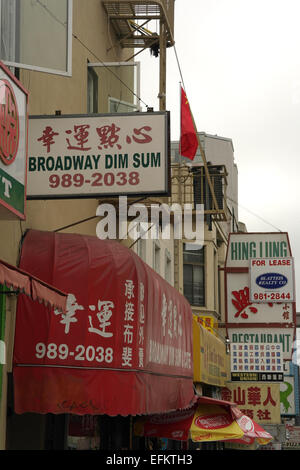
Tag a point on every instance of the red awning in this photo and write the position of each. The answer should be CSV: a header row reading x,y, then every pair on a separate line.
x,y
124,345
31,286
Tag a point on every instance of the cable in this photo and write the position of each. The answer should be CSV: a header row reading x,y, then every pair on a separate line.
x,y
248,210
105,66
91,52
239,205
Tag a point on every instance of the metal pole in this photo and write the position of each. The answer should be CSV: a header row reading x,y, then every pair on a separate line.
x,y
162,66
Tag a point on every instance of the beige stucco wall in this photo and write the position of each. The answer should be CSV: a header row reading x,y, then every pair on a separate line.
x,y
47,94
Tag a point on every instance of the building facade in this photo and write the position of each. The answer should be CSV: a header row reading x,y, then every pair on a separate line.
x,y
92,76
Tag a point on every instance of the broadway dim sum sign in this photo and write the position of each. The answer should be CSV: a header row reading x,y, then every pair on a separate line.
x,y
95,155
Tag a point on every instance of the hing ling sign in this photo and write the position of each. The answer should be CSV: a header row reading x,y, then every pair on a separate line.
x,y
112,154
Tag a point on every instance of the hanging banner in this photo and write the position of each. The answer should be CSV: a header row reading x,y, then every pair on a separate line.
x,y
124,345
96,155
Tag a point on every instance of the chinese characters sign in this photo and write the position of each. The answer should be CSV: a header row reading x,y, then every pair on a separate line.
x,y
262,336
259,284
261,402
260,361
13,146
88,156
240,308
126,332
211,363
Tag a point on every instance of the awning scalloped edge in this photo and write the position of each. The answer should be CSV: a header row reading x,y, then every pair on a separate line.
x,y
31,286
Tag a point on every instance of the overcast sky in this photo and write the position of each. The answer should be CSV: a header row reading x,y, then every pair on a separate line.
x,y
240,63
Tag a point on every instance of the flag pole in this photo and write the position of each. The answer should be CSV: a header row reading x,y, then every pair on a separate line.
x,y
198,139
205,165
180,86
204,160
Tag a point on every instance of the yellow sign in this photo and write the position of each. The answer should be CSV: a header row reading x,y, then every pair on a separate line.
x,y
208,322
211,363
260,401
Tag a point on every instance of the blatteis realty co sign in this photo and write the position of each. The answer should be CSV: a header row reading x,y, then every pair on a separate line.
x,y
13,145
272,280
99,155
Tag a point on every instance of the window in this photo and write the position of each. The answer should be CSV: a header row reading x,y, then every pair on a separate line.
x,y
92,91
168,266
37,35
156,257
193,276
117,106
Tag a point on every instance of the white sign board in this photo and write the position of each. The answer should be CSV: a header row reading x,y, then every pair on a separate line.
x,y
98,155
262,336
263,357
272,280
242,247
240,308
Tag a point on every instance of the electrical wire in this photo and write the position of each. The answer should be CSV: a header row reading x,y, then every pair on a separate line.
x,y
253,213
91,52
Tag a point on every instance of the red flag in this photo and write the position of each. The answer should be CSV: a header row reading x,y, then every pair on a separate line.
x,y
188,137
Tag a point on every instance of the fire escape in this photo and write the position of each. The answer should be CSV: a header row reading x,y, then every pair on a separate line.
x,y
129,19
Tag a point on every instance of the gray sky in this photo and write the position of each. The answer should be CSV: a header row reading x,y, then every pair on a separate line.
x,y
240,62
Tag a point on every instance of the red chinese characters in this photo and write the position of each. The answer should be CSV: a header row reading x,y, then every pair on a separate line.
x,y
47,138
9,123
80,134
82,137
255,401
241,301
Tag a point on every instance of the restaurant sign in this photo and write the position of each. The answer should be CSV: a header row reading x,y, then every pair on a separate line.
x,y
262,336
242,247
98,155
13,146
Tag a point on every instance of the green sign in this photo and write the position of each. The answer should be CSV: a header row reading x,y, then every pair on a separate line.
x,y
13,146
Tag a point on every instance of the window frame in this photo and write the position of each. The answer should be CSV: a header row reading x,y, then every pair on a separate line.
x,y
202,265
68,71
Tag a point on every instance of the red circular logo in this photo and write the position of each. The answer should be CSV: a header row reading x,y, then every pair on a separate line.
x,y
214,421
9,123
